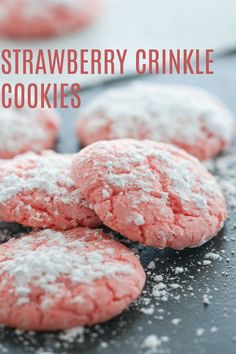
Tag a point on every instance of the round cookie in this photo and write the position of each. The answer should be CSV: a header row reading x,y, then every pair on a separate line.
x,y
188,117
52,280
153,193
24,130
44,18
38,191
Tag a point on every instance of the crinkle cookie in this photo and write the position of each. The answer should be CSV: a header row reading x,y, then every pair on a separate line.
x,y
38,191
52,280
24,130
44,18
188,117
153,193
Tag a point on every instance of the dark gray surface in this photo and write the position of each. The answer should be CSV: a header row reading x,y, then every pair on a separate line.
x,y
126,333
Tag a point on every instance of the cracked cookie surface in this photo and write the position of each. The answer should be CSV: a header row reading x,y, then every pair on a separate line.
x,y
188,117
38,191
52,280
153,193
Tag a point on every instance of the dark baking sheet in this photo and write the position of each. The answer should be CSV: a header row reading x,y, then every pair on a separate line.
x,y
203,328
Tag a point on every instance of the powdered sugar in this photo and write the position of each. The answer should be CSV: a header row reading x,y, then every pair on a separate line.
x,y
213,256
200,332
41,259
70,334
180,172
179,270
49,172
137,218
20,128
176,321
151,342
179,114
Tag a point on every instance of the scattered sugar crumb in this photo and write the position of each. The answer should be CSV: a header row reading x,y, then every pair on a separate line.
x,y
151,265
148,311
174,286
179,270
165,339
104,345
213,256
69,335
206,300
206,262
176,321
213,329
158,277
200,332
151,342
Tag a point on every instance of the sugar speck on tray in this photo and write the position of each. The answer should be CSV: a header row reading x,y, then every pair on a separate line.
x,y
151,341
179,270
176,321
205,299
200,332
69,335
213,329
212,256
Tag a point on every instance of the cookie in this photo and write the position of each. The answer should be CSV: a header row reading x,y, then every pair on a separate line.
x,y
24,130
188,117
45,18
153,193
52,280
38,191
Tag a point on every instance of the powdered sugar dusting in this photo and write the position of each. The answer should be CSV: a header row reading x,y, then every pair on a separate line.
x,y
179,172
20,128
41,259
180,114
49,172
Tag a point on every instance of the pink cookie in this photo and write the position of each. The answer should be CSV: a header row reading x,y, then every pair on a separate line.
x,y
153,193
44,18
38,191
25,130
52,281
188,117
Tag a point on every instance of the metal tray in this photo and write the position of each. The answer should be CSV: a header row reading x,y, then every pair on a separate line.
x,y
184,323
